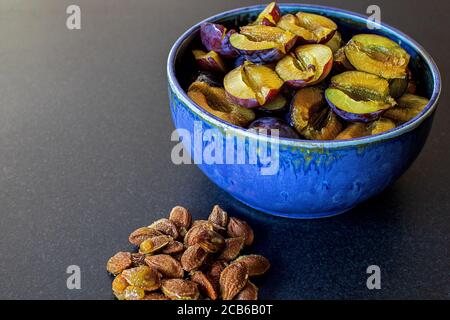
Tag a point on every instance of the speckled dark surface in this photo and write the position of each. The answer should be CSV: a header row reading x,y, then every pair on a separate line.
x,y
85,158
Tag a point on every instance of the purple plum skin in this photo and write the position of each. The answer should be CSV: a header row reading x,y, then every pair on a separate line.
x,y
266,56
239,61
262,56
227,50
354,117
271,123
212,36
245,103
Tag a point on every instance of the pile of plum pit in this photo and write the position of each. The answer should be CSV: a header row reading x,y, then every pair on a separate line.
x,y
182,259
294,73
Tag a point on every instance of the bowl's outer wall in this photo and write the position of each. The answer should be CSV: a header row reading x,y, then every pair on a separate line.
x,y
311,182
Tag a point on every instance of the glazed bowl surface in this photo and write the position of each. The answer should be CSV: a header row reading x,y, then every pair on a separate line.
x,y
311,179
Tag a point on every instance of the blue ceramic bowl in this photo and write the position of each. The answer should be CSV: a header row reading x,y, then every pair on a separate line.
x,y
314,178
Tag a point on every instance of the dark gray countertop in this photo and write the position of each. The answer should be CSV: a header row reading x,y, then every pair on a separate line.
x,y
85,159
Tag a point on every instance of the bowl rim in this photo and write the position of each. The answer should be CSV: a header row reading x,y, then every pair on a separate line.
x,y
307,144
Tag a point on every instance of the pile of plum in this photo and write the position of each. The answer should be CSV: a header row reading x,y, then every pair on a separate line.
x,y
294,73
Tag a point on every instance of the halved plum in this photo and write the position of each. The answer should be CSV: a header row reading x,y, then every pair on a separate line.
x,y
257,51
409,106
267,124
322,27
305,105
262,44
353,131
380,126
216,38
267,33
354,110
252,85
309,27
264,81
359,96
308,65
369,85
215,101
359,130
238,88
335,42
377,55
269,16
289,22
323,56
397,87
311,117
340,62
295,73
209,61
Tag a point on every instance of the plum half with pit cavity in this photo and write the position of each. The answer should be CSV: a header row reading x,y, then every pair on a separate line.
x,y
326,126
311,116
307,65
266,126
359,96
269,16
296,73
252,85
215,37
215,101
409,106
289,22
209,61
267,33
309,27
305,105
262,44
377,55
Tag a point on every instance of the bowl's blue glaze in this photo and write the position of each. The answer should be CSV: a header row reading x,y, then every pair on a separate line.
x,y
315,178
